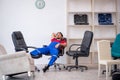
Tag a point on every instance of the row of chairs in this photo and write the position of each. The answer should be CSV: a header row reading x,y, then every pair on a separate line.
x,y
81,51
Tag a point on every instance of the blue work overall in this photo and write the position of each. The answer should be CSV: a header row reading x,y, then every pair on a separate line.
x,y
50,49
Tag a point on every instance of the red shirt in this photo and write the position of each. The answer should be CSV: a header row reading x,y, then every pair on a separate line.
x,y
57,40
60,41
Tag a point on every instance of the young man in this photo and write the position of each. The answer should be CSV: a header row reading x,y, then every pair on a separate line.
x,y
57,43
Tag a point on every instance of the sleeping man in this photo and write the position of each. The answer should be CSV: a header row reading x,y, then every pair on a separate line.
x,y
58,42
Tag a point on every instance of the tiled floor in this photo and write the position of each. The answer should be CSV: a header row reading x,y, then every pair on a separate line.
x,y
52,74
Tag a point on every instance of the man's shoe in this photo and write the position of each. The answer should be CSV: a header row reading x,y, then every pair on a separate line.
x,y
46,68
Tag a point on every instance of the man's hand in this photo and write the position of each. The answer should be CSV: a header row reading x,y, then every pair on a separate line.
x,y
53,35
57,45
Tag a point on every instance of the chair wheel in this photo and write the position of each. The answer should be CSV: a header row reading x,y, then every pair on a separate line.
x,y
86,68
59,68
66,68
82,70
69,69
55,66
103,71
38,70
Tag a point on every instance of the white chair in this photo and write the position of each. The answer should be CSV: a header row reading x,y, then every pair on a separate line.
x,y
104,56
15,63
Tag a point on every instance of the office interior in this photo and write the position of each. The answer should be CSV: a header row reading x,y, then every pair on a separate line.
x,y
37,25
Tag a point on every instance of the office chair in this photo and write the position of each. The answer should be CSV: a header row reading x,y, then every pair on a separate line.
x,y
20,44
82,50
61,53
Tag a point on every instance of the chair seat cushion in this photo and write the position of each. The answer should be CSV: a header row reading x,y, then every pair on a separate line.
x,y
36,57
71,53
76,53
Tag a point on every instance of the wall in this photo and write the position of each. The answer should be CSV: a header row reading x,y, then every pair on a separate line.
x,y
36,24
118,3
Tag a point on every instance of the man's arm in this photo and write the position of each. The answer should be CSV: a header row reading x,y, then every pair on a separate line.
x,y
53,35
63,44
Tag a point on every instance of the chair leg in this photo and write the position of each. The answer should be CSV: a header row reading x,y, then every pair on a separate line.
x,y
76,66
37,69
57,65
106,72
29,73
110,68
3,77
98,70
33,74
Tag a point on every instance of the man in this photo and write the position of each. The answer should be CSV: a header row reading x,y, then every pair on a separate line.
x,y
57,43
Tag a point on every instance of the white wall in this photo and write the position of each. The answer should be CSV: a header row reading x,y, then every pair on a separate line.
x,y
118,3
35,24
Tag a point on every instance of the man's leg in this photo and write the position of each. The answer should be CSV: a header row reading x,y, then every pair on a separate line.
x,y
54,54
39,51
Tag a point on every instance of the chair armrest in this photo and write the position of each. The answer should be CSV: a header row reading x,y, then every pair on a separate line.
x,y
25,48
13,55
70,48
16,63
31,47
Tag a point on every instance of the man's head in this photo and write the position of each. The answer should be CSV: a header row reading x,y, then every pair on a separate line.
x,y
59,35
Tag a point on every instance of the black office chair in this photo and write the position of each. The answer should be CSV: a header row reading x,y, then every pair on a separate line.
x,y
20,44
61,53
82,50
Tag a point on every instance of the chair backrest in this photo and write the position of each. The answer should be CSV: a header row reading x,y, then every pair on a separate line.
x,y
104,50
116,47
19,41
61,53
86,43
2,50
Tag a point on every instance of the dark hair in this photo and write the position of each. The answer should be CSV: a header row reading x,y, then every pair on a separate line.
x,y
60,33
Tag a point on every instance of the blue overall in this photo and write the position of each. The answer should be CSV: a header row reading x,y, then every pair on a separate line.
x,y
48,50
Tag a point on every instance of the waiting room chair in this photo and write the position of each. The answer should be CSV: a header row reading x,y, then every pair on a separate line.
x,y
20,44
115,51
15,63
82,50
104,57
